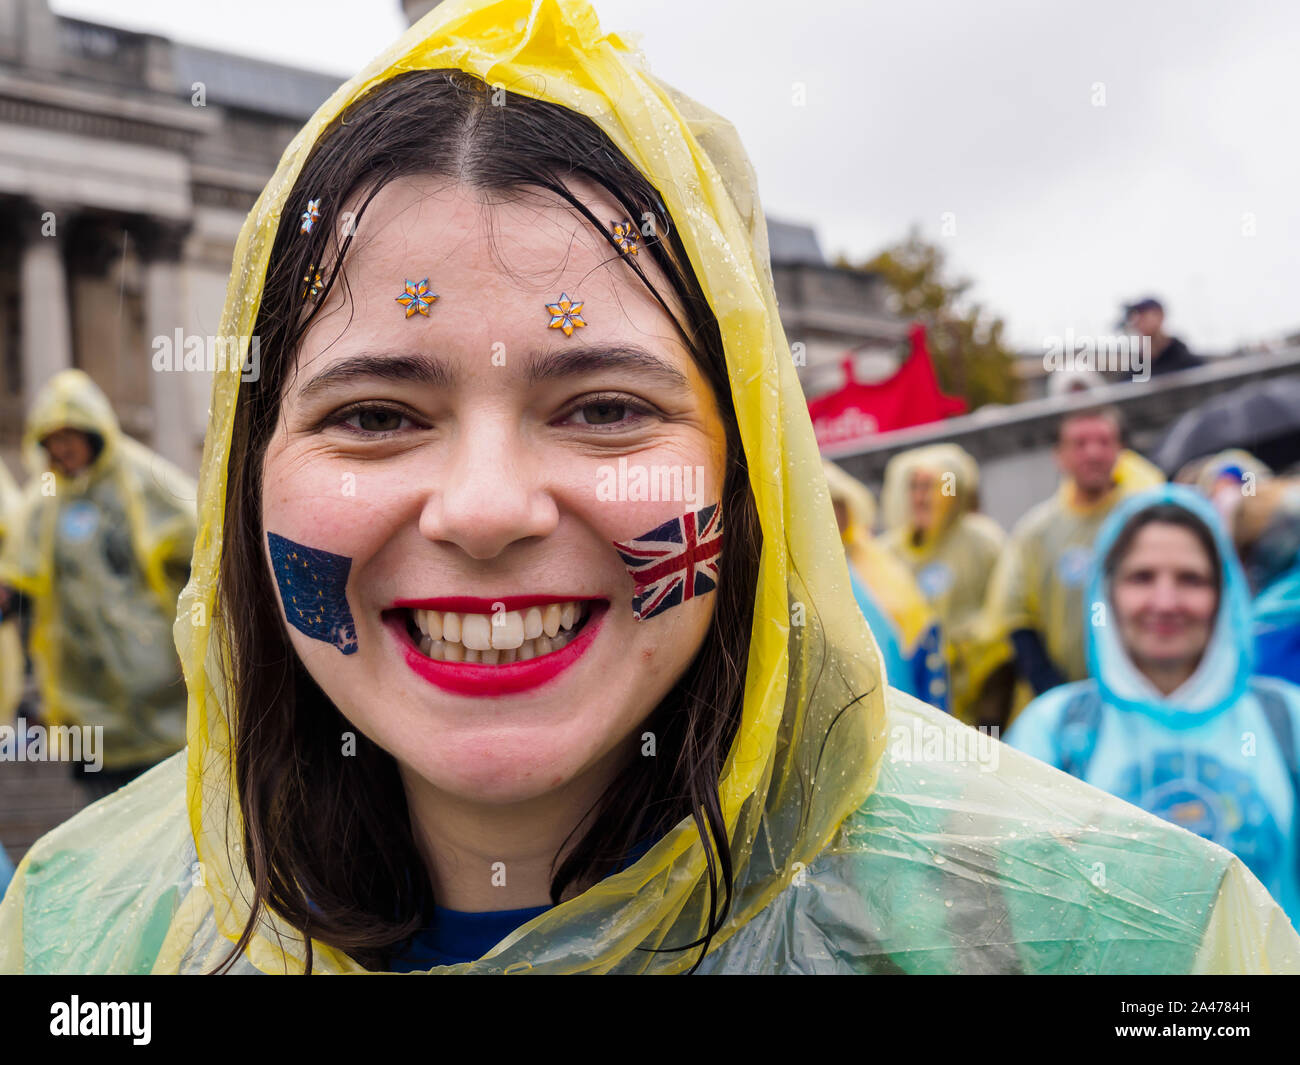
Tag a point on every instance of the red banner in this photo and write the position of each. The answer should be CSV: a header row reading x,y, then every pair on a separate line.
x,y
860,410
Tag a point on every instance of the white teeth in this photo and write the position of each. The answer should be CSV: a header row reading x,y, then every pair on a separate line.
x,y
476,631
532,623
551,619
508,630
499,638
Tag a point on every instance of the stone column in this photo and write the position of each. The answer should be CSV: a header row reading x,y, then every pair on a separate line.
x,y
46,325
160,243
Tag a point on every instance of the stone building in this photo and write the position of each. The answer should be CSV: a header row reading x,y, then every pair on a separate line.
x,y
127,165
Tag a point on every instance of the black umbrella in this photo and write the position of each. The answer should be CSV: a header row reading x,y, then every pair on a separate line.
x,y
1262,418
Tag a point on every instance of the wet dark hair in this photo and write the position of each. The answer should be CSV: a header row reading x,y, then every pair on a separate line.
x,y
1165,514
328,840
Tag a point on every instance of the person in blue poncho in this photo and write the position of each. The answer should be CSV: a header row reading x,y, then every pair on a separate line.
x,y
899,671
6,870
1173,718
905,625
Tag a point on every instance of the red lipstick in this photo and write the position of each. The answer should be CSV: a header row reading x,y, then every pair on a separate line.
x,y
465,678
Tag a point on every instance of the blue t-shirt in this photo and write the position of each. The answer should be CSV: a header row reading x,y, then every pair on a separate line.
x,y
456,936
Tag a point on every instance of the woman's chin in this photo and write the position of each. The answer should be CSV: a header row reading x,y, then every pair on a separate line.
x,y
489,778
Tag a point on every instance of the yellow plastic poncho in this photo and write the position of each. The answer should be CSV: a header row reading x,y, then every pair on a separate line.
x,y
848,855
890,583
1039,579
11,645
952,561
103,556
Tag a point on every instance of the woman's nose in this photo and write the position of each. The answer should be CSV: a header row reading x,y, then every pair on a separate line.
x,y
1165,595
489,494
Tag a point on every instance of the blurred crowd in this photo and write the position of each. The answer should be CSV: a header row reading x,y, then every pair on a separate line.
x,y
1143,636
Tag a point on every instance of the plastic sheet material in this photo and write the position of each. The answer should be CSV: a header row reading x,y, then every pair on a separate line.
x,y
1039,580
951,561
102,557
1206,756
851,852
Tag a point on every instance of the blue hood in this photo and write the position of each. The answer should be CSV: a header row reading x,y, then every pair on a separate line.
x,y
1225,669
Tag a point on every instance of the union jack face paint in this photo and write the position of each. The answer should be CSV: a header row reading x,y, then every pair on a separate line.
x,y
675,561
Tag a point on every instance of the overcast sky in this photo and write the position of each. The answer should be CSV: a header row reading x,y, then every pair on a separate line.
x,y
988,110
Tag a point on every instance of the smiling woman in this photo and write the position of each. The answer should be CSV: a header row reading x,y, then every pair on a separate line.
x,y
435,479
458,701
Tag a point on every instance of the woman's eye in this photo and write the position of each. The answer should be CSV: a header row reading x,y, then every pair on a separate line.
x,y
372,420
607,412
603,413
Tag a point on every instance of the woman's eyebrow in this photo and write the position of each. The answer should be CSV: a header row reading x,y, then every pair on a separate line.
x,y
591,358
419,368
426,369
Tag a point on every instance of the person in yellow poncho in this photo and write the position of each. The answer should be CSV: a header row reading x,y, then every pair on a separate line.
x,y
930,495
711,777
12,666
100,548
1035,597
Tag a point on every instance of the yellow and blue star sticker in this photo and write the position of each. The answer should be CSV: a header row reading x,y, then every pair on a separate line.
x,y
625,235
313,587
311,215
565,314
417,298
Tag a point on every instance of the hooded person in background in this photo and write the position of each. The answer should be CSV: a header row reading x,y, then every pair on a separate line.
x,y
1173,718
1035,596
909,630
786,824
101,550
12,666
930,499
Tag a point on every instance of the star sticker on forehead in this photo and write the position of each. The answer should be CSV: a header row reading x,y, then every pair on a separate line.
x,y
311,215
625,236
566,315
417,297
312,283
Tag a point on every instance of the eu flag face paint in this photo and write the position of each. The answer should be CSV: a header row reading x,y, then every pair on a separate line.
x,y
313,587
675,561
